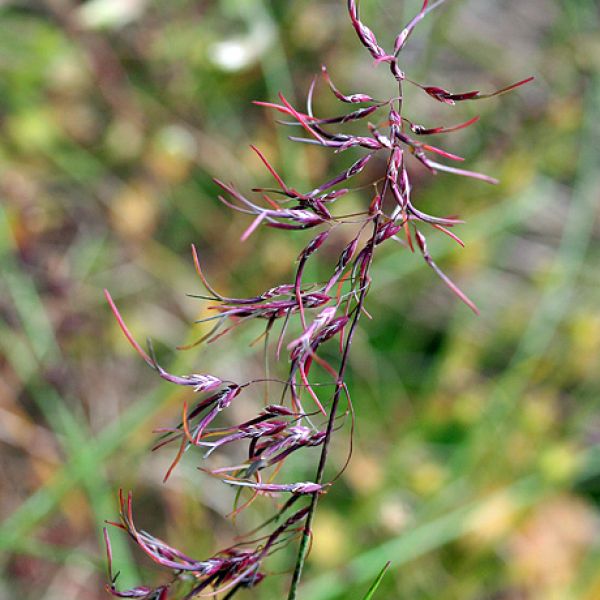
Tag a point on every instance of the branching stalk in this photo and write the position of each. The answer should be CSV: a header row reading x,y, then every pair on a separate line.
x,y
309,314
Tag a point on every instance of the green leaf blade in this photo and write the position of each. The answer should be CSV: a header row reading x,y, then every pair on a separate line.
x,y
377,581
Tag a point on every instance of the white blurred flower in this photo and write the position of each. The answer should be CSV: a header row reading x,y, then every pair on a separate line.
x,y
240,52
111,14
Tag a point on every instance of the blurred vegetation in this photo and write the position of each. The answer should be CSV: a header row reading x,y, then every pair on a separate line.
x,y
476,469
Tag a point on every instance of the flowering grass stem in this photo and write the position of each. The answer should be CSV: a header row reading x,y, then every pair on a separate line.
x,y
323,311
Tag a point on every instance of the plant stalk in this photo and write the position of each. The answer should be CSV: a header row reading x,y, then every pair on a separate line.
x,y
306,533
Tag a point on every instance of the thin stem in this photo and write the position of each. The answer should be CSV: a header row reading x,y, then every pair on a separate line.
x,y
303,549
234,591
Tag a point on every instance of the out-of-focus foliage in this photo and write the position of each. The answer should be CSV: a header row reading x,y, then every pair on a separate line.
x,y
476,470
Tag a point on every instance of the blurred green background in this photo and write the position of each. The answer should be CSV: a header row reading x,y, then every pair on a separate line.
x,y
476,469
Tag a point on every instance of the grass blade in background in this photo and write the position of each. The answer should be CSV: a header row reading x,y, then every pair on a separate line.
x,y
371,593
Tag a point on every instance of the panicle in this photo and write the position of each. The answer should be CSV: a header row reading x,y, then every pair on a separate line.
x,y
308,314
